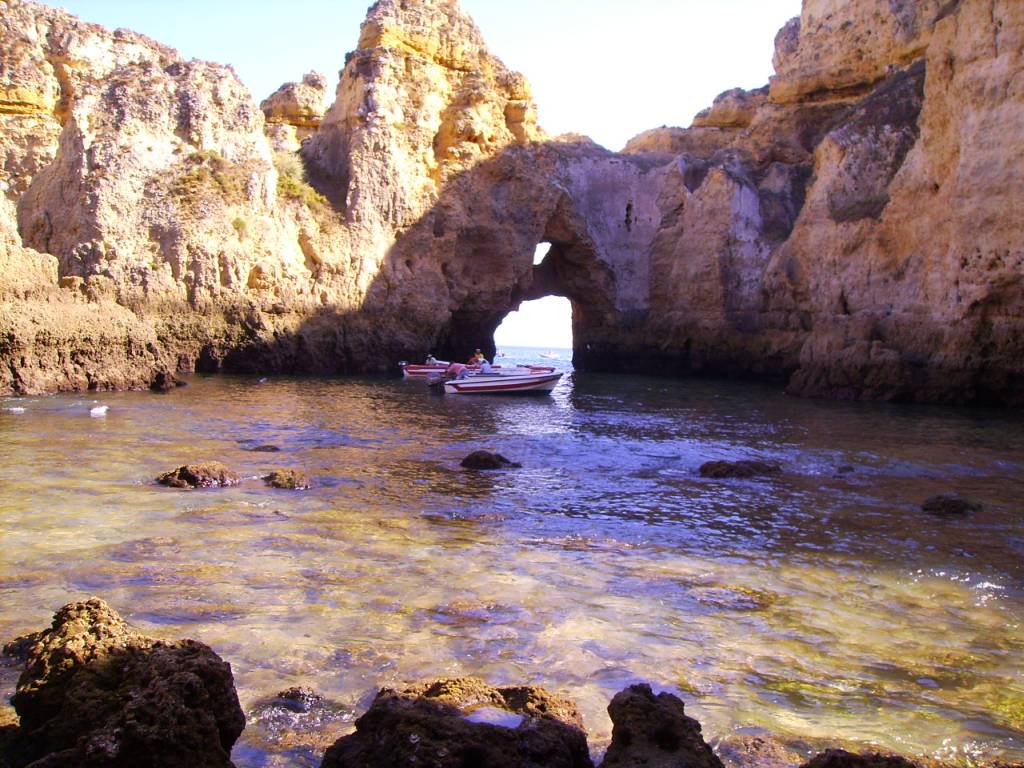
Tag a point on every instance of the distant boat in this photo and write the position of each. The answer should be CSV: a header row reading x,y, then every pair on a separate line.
x,y
550,355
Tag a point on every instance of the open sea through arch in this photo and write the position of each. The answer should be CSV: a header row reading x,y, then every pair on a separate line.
x,y
821,606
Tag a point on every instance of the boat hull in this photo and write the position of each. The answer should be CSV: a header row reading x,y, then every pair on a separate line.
x,y
531,383
415,371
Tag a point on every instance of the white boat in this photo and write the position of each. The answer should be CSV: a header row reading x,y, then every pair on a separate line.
x,y
550,355
438,368
528,380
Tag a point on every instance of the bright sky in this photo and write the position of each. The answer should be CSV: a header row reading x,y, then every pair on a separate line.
x,y
603,68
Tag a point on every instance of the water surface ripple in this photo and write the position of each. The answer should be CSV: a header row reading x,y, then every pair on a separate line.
x,y
821,604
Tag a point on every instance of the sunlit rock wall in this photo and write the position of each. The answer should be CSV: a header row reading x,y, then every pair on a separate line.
x,y
853,228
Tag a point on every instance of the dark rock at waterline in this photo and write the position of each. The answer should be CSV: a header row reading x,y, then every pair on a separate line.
x,y
488,460
840,758
738,469
264,449
745,751
96,693
165,381
8,732
950,505
288,480
464,722
655,732
209,474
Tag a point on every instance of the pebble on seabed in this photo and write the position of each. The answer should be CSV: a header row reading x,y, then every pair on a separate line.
x,y
99,410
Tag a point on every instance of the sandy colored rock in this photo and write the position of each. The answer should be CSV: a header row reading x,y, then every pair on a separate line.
x,y
208,474
288,479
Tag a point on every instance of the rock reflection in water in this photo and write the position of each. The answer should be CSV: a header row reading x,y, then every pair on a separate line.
x,y
817,604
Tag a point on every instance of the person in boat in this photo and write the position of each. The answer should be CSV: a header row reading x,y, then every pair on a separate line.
x,y
475,358
431,360
456,371
485,367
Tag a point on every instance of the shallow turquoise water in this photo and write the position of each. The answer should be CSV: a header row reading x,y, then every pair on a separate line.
x,y
820,606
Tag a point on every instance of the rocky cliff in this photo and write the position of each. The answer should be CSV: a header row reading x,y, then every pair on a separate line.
x,y
851,228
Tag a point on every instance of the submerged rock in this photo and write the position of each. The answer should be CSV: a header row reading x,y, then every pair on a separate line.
x,y
488,460
950,505
288,480
298,721
655,732
464,722
741,751
840,758
264,449
210,474
96,693
740,469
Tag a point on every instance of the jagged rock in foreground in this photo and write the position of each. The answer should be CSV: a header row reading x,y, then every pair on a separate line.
x,y
654,731
461,722
850,229
96,693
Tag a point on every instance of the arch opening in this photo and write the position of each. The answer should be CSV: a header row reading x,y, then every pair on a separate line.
x,y
538,325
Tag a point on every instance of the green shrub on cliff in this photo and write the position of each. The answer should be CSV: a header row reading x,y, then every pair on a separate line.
x,y
292,182
208,172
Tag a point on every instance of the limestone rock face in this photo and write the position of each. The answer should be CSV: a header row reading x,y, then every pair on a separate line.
x,y
295,110
838,49
850,229
96,693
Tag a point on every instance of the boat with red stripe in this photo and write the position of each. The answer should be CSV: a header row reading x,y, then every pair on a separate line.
x,y
425,370
504,383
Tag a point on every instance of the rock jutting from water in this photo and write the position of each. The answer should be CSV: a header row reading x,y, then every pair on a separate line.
x,y
288,480
96,693
487,460
208,474
462,722
848,229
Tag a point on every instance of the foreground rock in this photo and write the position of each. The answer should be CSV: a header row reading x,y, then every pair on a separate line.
x,y
96,693
288,480
738,469
464,722
487,460
655,732
210,474
950,505
840,758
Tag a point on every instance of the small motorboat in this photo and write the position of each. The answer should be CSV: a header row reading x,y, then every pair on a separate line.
x,y
550,355
522,380
438,367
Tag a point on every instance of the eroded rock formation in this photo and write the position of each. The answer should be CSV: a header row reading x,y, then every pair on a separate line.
x,y
96,693
852,228
461,722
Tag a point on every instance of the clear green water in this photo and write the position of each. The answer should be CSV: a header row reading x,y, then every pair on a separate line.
x,y
818,605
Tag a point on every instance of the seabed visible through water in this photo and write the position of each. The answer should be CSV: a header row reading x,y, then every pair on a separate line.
x,y
822,604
